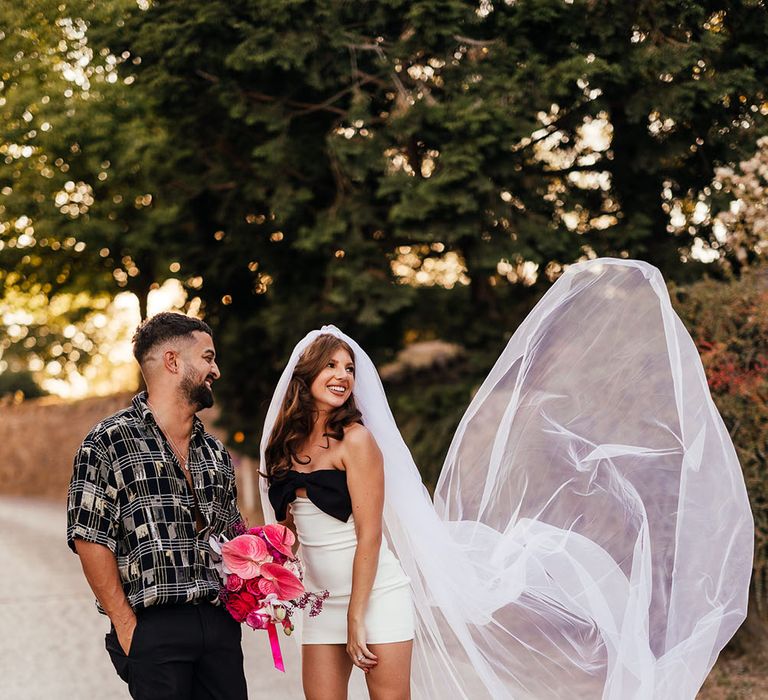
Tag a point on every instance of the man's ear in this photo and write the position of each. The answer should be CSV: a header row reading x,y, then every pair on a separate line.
x,y
171,361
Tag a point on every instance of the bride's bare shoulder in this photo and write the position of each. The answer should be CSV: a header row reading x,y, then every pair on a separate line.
x,y
358,437
356,431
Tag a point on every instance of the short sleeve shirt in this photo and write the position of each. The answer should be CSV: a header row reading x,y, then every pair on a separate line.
x,y
129,493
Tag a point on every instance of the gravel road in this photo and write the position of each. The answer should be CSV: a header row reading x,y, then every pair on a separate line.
x,y
52,637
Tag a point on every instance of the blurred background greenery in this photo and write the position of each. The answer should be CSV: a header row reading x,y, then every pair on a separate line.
x,y
417,173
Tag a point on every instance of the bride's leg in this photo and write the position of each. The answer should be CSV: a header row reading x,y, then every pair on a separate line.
x,y
390,678
325,670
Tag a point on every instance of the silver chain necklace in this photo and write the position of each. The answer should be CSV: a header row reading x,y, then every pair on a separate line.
x,y
174,446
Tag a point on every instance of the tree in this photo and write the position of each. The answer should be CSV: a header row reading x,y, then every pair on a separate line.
x,y
77,155
302,156
323,149
742,227
81,152
18,384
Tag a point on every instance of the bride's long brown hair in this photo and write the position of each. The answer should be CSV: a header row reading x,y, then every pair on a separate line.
x,y
297,414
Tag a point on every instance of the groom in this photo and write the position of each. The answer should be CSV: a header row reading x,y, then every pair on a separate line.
x,y
149,488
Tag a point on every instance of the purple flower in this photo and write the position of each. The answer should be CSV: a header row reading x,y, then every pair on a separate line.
x,y
278,556
239,528
313,600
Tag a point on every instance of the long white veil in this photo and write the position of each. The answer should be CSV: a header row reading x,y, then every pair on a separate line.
x,y
591,535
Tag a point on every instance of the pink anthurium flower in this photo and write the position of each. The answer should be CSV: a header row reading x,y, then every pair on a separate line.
x,y
276,579
280,537
245,555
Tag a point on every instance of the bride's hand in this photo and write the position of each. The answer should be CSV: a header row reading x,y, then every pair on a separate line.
x,y
358,651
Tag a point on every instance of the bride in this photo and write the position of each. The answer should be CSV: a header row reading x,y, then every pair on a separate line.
x,y
590,534
324,466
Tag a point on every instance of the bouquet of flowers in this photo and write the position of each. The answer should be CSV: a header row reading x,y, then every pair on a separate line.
x,y
262,580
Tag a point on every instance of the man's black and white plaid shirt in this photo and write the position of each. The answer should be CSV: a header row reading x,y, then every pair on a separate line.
x,y
129,493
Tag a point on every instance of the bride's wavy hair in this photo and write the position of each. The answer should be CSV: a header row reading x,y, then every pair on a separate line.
x,y
297,414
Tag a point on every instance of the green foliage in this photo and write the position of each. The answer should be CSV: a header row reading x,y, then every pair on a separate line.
x,y
65,333
290,156
412,125
427,411
729,322
79,153
14,383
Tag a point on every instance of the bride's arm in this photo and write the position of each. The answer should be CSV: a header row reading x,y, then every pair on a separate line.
x,y
365,479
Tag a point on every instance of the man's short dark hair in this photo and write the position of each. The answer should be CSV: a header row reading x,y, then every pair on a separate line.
x,y
162,327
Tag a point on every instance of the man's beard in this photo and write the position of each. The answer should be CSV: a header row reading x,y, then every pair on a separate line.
x,y
197,394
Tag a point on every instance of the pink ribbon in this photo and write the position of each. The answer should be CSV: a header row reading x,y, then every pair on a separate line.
x,y
274,642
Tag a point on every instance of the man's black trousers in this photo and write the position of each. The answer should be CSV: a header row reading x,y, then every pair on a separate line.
x,y
182,652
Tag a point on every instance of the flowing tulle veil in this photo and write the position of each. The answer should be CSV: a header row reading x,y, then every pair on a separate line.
x,y
590,535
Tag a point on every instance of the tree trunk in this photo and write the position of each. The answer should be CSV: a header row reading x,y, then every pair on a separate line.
x,y
483,296
142,294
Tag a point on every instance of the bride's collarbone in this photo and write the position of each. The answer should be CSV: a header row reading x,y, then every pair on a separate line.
x,y
319,458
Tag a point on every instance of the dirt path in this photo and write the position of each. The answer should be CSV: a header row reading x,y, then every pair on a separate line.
x,y
52,637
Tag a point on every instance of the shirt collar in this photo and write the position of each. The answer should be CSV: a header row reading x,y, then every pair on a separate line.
x,y
141,406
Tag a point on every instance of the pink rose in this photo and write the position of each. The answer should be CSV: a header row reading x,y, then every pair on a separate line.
x,y
280,537
234,583
244,555
278,580
258,620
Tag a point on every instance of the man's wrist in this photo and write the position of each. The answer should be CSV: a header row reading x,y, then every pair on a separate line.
x,y
123,617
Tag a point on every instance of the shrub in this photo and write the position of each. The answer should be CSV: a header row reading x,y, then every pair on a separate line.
x,y
729,323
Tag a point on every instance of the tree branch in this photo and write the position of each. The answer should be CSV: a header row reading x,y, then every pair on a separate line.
x,y
304,107
594,168
474,42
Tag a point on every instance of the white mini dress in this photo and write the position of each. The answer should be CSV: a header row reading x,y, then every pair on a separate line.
x,y
327,550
